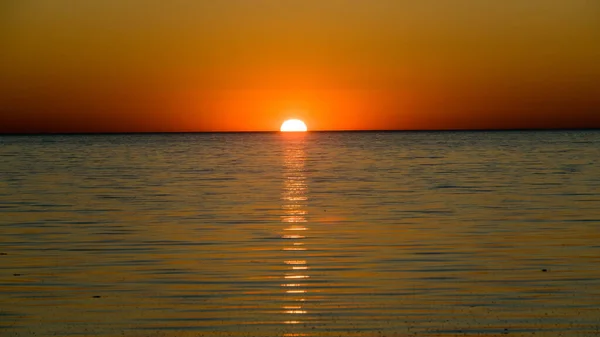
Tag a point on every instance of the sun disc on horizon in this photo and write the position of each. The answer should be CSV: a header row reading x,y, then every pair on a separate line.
x,y
293,125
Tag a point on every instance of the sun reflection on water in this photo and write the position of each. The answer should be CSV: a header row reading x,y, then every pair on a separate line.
x,y
294,201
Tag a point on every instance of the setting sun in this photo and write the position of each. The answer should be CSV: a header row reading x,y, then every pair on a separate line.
x,y
293,125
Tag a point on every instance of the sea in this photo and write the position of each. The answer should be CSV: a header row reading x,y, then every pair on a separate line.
x,y
301,234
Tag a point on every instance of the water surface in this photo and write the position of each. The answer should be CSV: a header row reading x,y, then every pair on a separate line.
x,y
323,234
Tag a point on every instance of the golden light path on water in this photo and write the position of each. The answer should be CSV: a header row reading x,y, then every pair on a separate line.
x,y
294,199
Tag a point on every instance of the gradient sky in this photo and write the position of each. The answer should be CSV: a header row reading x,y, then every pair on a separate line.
x,y
233,65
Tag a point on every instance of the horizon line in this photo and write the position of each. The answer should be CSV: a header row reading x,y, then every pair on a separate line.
x,y
309,131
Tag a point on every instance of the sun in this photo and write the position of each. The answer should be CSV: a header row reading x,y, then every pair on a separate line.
x,y
293,125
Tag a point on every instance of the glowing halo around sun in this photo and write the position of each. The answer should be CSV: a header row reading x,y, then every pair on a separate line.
x,y
293,125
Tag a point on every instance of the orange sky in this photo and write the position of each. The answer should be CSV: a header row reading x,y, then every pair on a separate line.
x,y
247,65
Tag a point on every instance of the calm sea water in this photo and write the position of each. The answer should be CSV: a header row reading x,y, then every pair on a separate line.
x,y
322,234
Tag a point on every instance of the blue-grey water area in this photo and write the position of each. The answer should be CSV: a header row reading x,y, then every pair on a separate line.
x,y
316,234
